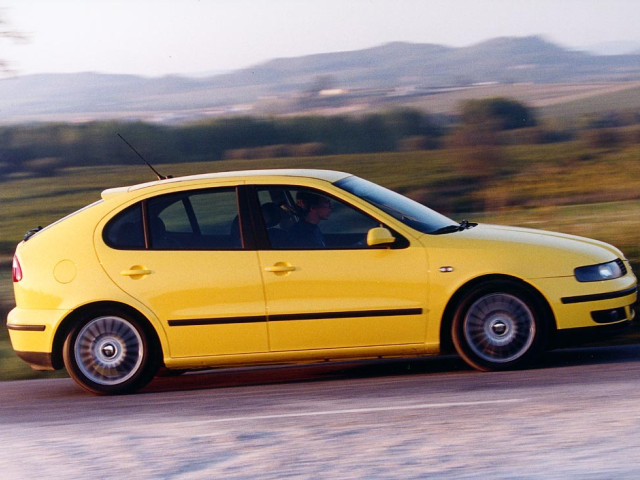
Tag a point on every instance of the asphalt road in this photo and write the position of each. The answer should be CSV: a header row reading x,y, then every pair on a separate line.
x,y
575,416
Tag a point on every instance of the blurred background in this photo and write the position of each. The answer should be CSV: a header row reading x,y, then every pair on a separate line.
x,y
522,113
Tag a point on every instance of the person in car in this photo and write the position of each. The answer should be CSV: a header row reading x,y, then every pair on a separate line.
x,y
306,233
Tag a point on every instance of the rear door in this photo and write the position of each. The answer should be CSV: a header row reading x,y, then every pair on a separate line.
x,y
191,269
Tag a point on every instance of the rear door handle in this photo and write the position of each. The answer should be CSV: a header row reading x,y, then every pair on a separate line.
x,y
280,267
136,272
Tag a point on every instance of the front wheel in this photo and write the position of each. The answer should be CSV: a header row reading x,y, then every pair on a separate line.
x,y
109,353
499,327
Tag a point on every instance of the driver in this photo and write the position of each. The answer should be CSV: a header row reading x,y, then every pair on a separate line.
x,y
306,233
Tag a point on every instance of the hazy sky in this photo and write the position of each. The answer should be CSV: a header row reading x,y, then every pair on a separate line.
x,y
157,37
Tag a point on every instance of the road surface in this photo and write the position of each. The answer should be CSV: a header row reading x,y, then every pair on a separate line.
x,y
575,416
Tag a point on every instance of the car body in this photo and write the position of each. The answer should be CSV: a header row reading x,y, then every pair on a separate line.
x,y
205,271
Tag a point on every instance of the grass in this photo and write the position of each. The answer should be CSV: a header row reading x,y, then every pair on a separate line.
x,y
561,187
616,97
549,100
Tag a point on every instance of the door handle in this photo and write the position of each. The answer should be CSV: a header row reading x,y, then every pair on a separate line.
x,y
136,272
280,267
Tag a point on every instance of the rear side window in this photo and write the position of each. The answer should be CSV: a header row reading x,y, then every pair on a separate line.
x,y
196,220
125,231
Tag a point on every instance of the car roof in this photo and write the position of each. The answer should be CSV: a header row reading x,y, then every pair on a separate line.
x,y
327,175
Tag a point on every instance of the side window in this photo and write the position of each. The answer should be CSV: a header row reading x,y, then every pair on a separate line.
x,y
215,211
169,217
302,218
125,231
198,220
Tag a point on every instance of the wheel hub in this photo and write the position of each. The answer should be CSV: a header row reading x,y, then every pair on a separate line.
x,y
499,327
108,350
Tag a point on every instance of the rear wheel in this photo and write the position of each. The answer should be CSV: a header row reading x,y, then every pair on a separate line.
x,y
109,353
499,326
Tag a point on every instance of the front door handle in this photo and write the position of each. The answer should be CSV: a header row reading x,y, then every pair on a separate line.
x,y
280,267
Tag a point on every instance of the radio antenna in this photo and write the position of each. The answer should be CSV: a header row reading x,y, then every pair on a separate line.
x,y
160,177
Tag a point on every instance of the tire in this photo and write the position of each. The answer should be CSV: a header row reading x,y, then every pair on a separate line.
x,y
109,353
499,326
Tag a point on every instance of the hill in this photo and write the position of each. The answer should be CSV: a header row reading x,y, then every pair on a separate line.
x,y
288,85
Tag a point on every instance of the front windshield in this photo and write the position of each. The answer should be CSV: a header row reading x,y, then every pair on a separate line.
x,y
409,212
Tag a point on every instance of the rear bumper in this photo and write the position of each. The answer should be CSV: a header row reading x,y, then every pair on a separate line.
x,y
37,360
32,335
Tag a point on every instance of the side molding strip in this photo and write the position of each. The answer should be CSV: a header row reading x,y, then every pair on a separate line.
x,y
296,316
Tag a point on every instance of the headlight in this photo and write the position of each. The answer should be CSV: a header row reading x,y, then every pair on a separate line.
x,y
604,271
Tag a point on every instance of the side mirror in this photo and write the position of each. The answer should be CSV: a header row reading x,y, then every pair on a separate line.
x,y
379,236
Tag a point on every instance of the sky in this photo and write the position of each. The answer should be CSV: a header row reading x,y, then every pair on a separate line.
x,y
187,37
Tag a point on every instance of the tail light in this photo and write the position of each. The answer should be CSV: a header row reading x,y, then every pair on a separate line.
x,y
16,270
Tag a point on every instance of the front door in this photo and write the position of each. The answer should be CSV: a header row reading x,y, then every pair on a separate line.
x,y
326,289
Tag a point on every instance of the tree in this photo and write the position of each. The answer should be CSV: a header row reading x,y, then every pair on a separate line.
x,y
7,33
481,155
504,113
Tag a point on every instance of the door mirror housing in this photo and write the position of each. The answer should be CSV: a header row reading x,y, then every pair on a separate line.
x,y
380,236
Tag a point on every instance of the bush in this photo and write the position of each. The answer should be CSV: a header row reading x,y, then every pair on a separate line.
x,y
504,113
535,136
473,135
44,167
601,138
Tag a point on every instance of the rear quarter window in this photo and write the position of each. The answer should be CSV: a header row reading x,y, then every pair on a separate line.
x,y
125,230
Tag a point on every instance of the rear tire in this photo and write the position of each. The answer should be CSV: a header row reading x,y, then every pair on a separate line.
x,y
109,352
499,326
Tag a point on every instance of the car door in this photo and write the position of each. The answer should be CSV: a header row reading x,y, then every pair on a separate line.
x,y
337,292
191,270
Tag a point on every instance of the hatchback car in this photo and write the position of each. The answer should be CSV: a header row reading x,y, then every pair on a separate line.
x,y
280,266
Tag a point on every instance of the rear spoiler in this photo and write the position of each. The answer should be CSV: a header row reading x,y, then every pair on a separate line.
x,y
31,233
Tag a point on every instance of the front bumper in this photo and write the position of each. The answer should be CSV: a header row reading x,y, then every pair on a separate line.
x,y
581,305
622,332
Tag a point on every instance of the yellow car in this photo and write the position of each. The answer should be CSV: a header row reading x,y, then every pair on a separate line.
x,y
280,266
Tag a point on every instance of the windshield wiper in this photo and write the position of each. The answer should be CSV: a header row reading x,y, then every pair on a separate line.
x,y
466,225
463,225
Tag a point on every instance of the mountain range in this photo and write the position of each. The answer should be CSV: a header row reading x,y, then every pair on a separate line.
x,y
288,85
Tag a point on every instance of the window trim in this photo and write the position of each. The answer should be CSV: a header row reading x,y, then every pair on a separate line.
x,y
253,232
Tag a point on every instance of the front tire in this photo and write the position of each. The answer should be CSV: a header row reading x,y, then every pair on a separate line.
x,y
109,353
499,326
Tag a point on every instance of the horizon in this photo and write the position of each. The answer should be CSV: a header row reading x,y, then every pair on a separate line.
x,y
197,75
192,38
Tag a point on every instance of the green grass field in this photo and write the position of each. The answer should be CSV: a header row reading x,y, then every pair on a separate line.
x,y
562,187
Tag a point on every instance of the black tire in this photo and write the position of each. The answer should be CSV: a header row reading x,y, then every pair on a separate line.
x,y
109,353
499,326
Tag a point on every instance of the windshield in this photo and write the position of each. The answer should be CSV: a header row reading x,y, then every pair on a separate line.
x,y
409,212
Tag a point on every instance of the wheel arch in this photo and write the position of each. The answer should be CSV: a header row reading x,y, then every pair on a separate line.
x,y
446,341
75,316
